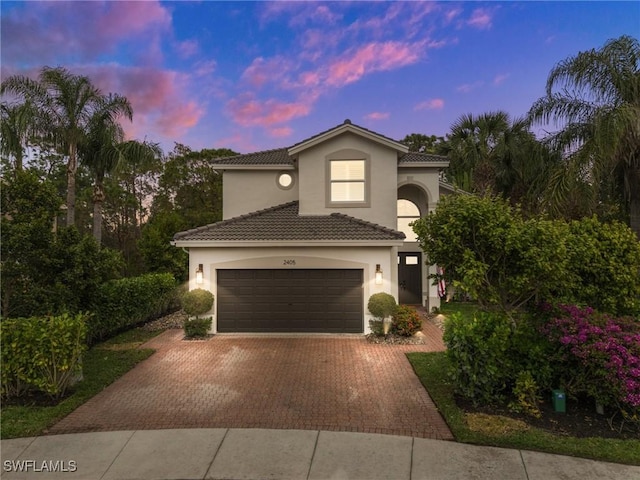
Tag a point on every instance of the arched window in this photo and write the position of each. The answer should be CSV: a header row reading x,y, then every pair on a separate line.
x,y
407,212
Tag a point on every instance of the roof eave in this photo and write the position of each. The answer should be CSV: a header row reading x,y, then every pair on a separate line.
x,y
347,127
423,164
256,166
285,243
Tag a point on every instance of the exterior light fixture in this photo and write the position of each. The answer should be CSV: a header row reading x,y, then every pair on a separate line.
x,y
199,275
378,275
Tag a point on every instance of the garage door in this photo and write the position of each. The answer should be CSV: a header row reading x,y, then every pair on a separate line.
x,y
290,301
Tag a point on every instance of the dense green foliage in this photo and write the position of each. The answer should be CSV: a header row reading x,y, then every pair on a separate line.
x,y
101,365
489,354
382,305
46,271
126,302
603,261
197,327
196,302
490,251
406,321
41,353
429,368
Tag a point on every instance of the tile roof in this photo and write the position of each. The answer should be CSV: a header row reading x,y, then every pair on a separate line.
x,y
415,157
283,223
346,122
278,156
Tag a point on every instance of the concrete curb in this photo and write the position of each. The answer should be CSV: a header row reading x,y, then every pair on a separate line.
x,y
249,454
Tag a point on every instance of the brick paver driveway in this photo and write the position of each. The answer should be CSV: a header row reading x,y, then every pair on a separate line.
x,y
298,382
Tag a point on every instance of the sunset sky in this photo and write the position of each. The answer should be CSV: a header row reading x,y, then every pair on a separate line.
x,y
258,75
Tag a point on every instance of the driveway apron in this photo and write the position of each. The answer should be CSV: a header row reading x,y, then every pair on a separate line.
x,y
339,383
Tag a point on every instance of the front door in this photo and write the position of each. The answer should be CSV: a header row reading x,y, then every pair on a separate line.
x,y
410,278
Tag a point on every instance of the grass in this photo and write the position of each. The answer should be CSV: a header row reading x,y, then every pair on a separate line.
x,y
102,365
499,431
466,309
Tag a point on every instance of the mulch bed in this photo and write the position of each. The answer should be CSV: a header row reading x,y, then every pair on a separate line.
x,y
580,419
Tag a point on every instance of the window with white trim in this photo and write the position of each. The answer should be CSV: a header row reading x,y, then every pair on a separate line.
x,y
348,181
408,212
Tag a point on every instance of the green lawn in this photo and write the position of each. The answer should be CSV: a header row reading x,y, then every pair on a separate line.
x,y
102,365
499,431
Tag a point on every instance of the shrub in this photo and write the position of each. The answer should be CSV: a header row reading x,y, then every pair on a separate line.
x,y
198,301
406,321
479,352
604,262
382,305
123,303
598,355
197,327
42,353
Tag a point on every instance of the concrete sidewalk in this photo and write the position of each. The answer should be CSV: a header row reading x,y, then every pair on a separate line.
x,y
222,453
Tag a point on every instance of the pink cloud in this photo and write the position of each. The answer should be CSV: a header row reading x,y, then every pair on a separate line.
x,y
377,116
468,87
372,57
247,111
187,48
158,97
431,104
499,79
451,15
262,71
47,31
280,132
481,19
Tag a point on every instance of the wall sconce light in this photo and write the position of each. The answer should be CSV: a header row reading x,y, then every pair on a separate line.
x,y
199,275
378,275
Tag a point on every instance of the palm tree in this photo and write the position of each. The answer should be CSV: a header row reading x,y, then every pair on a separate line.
x,y
17,125
65,104
103,151
489,153
595,97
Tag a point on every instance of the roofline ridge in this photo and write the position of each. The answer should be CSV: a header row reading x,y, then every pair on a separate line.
x,y
252,153
235,219
424,154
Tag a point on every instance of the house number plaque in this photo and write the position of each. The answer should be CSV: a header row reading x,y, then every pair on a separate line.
x,y
289,261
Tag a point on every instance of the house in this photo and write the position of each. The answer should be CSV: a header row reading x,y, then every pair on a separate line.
x,y
310,232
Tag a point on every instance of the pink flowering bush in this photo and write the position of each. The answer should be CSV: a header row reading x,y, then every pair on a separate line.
x,y
599,356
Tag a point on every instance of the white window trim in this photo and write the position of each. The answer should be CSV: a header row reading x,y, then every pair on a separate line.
x,y
347,155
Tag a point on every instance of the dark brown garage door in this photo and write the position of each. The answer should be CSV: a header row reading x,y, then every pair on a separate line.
x,y
290,301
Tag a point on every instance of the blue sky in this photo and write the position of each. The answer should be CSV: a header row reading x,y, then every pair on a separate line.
x,y
259,75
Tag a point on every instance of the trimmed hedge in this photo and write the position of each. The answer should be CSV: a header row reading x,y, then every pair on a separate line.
x,y
42,353
196,302
197,327
406,321
129,301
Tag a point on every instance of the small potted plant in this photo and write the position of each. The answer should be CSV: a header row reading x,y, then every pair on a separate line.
x,y
195,303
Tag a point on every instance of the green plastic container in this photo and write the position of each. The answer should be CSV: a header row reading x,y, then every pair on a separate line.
x,y
559,400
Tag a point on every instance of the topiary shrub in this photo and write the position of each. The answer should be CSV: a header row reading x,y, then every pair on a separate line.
x,y
382,305
406,321
197,327
196,302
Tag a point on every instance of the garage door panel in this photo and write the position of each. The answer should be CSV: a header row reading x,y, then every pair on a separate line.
x,y
290,300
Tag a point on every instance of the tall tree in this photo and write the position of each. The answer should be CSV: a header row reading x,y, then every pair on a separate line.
x,y
492,153
103,150
421,143
65,104
17,124
595,97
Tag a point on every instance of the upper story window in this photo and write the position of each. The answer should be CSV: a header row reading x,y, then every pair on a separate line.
x,y
348,181
408,212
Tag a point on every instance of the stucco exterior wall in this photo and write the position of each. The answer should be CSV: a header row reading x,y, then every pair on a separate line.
x,y
246,191
312,167
364,258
